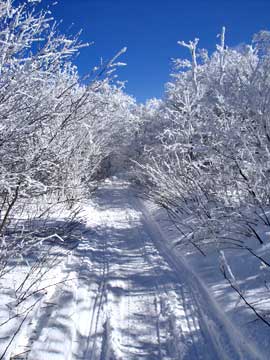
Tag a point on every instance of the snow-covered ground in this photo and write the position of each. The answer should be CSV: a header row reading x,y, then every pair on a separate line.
x,y
123,293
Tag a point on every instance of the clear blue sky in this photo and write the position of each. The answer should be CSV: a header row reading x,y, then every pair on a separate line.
x,y
151,28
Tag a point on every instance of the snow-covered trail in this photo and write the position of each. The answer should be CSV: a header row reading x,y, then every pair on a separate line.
x,y
129,297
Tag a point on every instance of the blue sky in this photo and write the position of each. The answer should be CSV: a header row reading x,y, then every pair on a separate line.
x,y
151,28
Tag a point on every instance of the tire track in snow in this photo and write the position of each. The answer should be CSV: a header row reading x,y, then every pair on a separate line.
x,y
96,330
157,265
182,301
162,290
142,245
99,299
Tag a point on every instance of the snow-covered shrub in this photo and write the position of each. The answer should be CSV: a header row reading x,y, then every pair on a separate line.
x,y
209,165
56,129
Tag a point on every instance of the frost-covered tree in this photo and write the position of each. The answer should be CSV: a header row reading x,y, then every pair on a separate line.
x,y
56,129
211,166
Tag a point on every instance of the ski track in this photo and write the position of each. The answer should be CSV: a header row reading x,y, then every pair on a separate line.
x,y
129,297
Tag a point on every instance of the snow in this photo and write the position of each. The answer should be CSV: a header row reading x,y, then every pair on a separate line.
x,y
125,293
